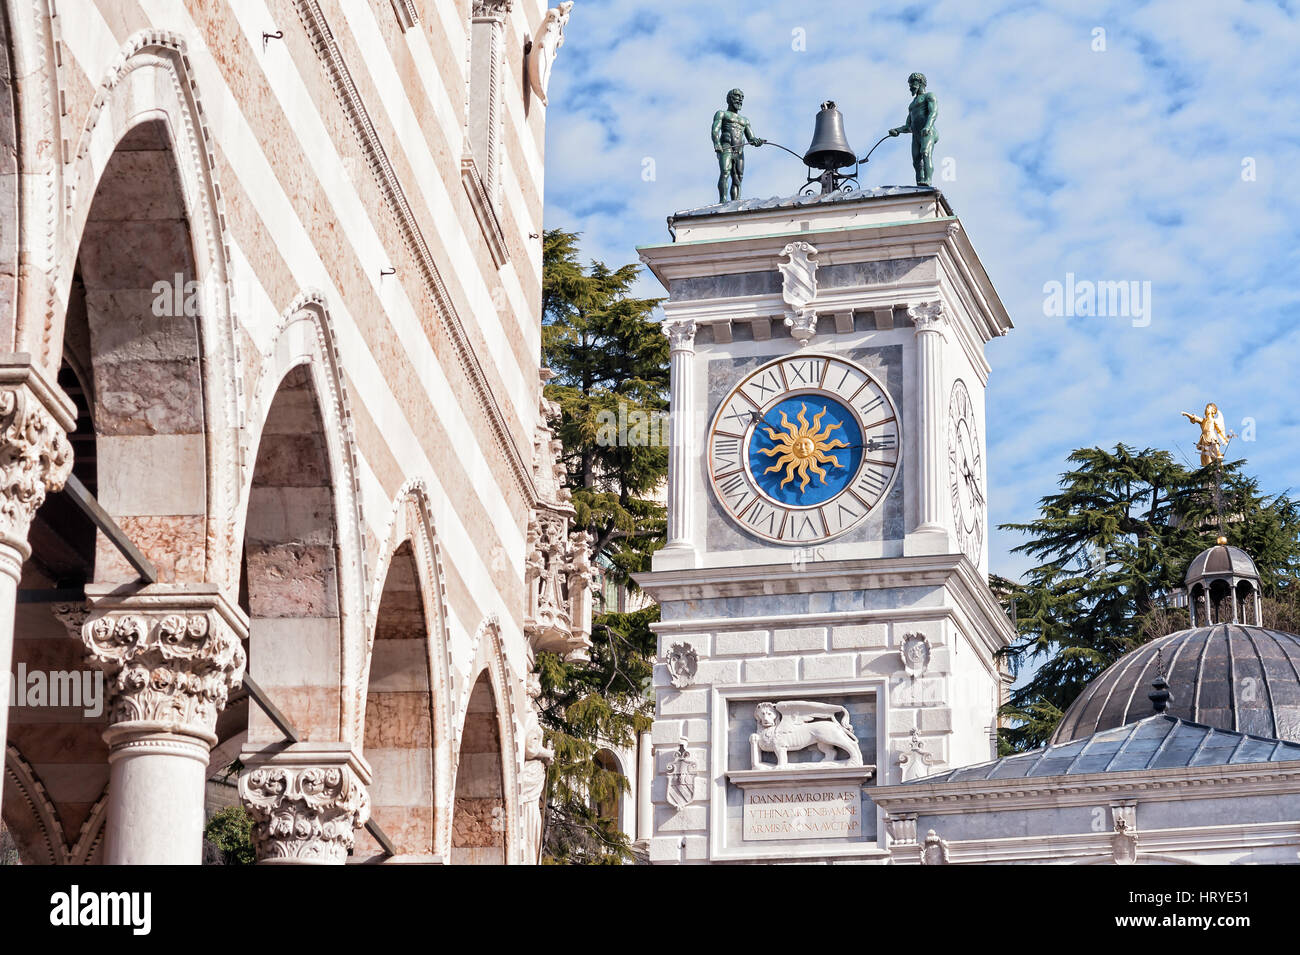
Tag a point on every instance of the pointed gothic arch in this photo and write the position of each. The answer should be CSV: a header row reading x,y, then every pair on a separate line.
x,y
408,704
487,759
299,392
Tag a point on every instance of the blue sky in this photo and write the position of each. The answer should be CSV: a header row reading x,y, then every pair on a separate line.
x,y
1161,158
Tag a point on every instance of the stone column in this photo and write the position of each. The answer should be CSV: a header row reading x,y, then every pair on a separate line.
x,y
307,801
172,653
930,535
645,780
35,457
681,452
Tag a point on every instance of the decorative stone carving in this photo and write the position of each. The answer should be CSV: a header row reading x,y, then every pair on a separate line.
x,y
927,317
532,780
546,43
681,777
1123,844
681,334
915,654
558,573
491,9
935,850
901,828
304,814
915,761
682,662
35,457
798,289
171,656
797,724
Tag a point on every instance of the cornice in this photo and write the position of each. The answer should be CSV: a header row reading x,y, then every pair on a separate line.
x,y
345,89
1042,792
971,592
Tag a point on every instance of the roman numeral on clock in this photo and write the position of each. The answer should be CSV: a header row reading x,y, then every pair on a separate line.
x,y
871,483
760,389
805,373
735,491
842,513
764,518
726,454
804,526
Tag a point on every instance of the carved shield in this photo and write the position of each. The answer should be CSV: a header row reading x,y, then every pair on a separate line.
x,y
681,780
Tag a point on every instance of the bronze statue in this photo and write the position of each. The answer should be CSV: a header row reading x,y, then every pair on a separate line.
x,y
920,123
730,133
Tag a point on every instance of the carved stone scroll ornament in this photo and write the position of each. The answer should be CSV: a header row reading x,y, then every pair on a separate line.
x,y
305,814
915,761
683,663
546,43
797,724
174,667
35,457
927,317
798,289
681,778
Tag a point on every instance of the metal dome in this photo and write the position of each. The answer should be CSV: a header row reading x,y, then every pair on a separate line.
x,y
1231,677
1221,561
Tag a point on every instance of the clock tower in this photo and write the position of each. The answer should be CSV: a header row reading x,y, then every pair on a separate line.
x,y
826,622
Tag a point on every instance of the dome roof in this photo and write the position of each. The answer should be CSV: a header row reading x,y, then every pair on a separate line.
x,y
1221,560
1231,677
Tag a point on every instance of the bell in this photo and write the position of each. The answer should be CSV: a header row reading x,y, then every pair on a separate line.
x,y
829,148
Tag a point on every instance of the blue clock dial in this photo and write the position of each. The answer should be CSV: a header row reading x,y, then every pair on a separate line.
x,y
805,450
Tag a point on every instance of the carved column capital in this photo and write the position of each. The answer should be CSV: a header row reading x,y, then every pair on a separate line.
x,y
681,334
928,317
173,654
35,455
307,800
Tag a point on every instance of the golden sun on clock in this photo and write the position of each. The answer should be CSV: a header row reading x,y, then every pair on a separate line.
x,y
803,449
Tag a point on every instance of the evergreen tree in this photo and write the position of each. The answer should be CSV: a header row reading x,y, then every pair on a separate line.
x,y
610,360
1113,545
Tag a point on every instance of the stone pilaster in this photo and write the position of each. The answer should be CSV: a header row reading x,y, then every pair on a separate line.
x,y
172,654
307,800
930,534
680,548
35,458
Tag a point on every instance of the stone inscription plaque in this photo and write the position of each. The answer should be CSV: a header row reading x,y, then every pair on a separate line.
x,y
802,812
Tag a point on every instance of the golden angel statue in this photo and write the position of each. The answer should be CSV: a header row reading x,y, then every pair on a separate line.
x,y
1214,439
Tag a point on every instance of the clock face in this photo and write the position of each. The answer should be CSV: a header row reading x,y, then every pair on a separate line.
x,y
803,449
965,473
